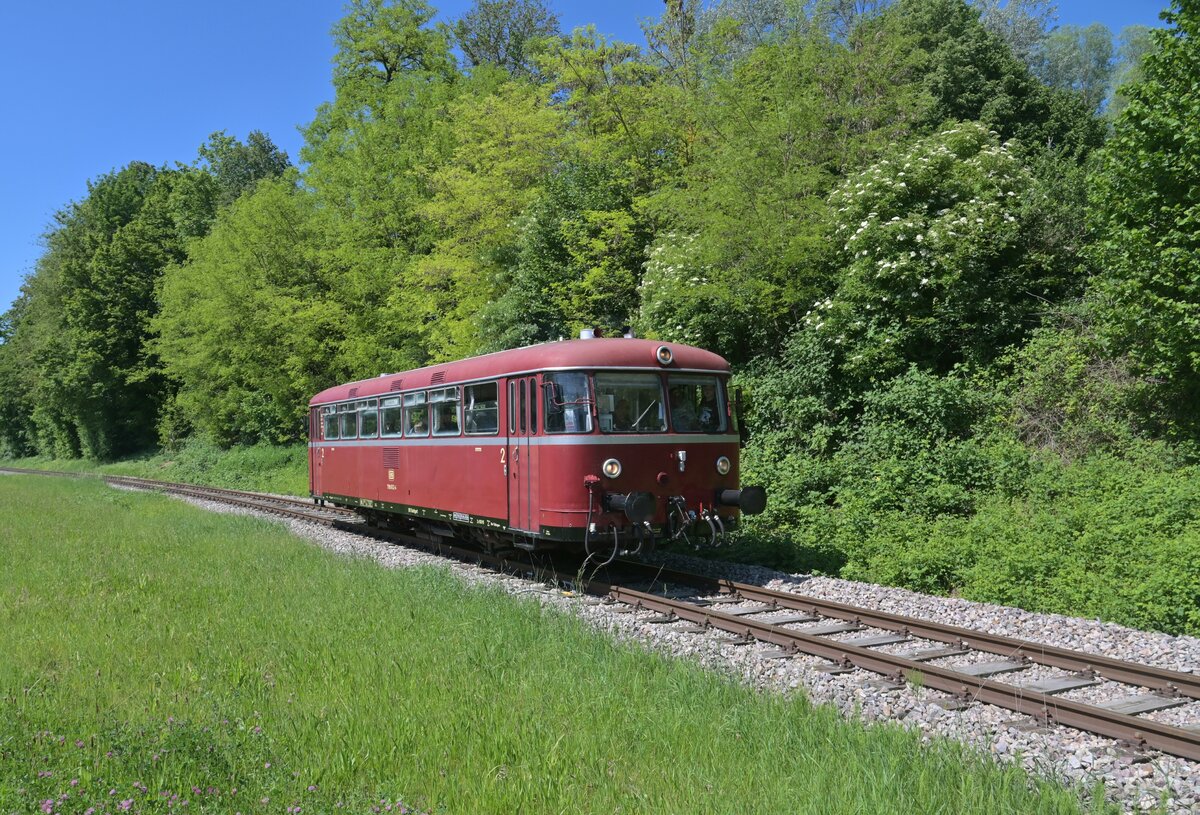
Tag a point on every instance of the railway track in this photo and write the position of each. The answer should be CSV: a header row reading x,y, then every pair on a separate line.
x,y
897,648
297,508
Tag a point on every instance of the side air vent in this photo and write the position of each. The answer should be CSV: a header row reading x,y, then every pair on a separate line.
x,y
354,391
397,384
438,378
391,457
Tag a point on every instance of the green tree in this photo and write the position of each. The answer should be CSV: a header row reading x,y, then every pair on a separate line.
x,y
266,278
237,167
500,33
743,241
1146,207
1079,59
508,141
1022,24
972,75
1135,42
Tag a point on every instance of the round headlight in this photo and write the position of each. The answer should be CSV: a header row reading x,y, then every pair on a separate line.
x,y
664,355
723,465
612,468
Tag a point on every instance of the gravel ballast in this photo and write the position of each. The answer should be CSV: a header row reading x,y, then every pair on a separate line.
x,y
1137,780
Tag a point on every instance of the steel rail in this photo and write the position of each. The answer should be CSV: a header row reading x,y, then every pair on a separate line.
x,y
1167,738
249,499
1161,680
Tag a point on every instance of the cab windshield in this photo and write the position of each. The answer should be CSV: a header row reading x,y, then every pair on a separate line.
x,y
696,404
630,403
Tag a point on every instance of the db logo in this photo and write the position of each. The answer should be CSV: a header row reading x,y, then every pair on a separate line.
x,y
391,475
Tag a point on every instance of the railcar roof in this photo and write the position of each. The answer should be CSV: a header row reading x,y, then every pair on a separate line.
x,y
594,353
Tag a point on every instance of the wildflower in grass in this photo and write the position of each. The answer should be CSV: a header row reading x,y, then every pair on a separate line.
x,y
312,787
79,744
265,801
125,805
48,805
74,782
90,811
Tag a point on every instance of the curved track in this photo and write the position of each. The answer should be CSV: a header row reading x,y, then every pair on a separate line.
x,y
769,616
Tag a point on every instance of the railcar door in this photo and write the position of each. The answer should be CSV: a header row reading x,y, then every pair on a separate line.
x,y
522,454
314,436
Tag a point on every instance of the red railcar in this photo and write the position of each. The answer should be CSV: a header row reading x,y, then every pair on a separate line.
x,y
605,444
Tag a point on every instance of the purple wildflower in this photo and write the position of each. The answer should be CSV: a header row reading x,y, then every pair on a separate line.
x,y
74,782
48,805
79,744
126,805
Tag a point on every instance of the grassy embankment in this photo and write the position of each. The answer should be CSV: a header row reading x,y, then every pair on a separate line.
x,y
262,467
152,650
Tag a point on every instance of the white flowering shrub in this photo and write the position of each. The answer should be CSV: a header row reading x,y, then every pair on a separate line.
x,y
685,297
934,270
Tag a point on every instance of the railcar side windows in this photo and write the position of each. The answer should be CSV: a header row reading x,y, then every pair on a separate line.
x,y
416,415
348,420
331,422
696,404
392,416
630,403
481,409
445,407
567,403
368,420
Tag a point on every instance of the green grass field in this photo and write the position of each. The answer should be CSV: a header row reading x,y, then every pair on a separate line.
x,y
261,467
153,654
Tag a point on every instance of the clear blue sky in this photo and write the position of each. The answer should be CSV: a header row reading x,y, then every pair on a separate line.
x,y
92,86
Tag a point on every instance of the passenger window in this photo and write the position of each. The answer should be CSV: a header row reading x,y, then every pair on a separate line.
x,y
512,408
480,409
416,415
391,414
533,402
567,403
368,420
348,420
522,408
331,423
444,405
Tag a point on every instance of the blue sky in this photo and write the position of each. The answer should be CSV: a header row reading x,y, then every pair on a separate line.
x,y
92,86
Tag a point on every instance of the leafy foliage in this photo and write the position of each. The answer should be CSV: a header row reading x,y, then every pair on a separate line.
x,y
1147,209
502,32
